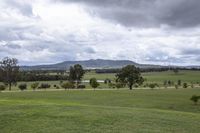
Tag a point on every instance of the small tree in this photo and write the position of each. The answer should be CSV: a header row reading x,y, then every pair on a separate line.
x,y
9,71
195,99
93,83
185,85
176,71
34,85
179,82
67,85
22,87
169,82
130,75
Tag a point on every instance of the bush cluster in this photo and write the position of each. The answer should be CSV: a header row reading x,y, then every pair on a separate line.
x,y
195,99
44,86
68,85
22,87
2,87
81,87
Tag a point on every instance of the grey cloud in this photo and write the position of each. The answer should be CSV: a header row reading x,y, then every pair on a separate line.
x,y
23,7
146,13
90,50
13,46
192,51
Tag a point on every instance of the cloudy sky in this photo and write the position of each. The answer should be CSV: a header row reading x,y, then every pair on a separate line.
x,y
146,31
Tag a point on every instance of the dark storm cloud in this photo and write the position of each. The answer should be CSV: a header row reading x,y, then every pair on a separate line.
x,y
146,13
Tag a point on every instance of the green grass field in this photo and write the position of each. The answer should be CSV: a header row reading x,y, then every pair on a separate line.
x,y
118,111
184,76
151,77
157,77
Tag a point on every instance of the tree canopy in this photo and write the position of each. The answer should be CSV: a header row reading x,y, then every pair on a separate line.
x,y
76,73
93,83
130,75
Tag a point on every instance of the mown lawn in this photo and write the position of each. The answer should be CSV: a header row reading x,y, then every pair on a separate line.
x,y
100,111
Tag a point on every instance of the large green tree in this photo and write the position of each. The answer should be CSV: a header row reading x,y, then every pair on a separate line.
x,y
76,74
9,71
130,75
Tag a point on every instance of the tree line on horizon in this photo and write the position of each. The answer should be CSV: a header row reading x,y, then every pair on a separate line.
x,y
127,76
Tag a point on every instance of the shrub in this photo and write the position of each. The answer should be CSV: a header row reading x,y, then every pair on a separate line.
x,y
2,87
61,81
111,85
165,83
195,99
153,85
107,81
34,85
81,86
22,87
54,86
44,86
185,85
67,85
176,86
145,85
57,87
119,85
192,85
169,82
136,85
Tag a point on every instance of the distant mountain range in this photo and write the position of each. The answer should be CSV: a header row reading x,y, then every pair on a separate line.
x,y
89,64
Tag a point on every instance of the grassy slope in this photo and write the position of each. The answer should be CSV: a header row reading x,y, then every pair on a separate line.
x,y
100,111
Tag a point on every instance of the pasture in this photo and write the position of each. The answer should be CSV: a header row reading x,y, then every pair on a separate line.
x,y
103,110
77,111
184,75
188,76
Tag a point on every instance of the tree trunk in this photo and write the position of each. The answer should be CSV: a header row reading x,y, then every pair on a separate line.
x,y
9,86
131,87
76,84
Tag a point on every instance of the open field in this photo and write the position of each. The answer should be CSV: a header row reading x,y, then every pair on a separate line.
x,y
184,76
157,77
151,77
119,111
